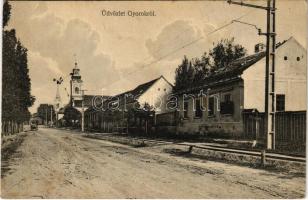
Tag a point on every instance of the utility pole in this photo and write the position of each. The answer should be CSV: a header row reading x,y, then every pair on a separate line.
x,y
51,115
46,114
82,111
269,104
71,91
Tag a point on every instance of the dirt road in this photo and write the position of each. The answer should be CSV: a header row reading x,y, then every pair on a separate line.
x,y
54,163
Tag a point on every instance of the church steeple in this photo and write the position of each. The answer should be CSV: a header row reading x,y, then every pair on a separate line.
x,y
58,102
76,65
76,84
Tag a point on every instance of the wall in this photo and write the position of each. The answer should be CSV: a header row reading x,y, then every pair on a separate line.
x,y
157,95
226,125
290,78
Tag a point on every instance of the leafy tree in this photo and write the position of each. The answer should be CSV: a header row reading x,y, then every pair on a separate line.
x,y
44,111
202,67
184,74
6,12
16,83
72,116
225,52
194,72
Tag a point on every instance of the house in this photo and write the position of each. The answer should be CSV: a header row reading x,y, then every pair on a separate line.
x,y
217,106
115,112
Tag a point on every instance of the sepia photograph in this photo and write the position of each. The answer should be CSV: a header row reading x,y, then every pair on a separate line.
x,y
158,99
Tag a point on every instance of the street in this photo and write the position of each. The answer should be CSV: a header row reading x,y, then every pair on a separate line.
x,y
53,163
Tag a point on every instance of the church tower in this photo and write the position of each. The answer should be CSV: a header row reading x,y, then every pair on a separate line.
x,y
76,86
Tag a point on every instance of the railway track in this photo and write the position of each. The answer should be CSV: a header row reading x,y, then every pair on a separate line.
x,y
211,147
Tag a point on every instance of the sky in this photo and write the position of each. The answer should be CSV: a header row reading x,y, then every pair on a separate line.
x,y
116,53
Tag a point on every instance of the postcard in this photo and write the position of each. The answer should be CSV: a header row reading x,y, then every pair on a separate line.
x,y
154,99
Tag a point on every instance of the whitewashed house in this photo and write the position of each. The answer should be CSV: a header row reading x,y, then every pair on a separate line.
x,y
239,88
290,79
153,93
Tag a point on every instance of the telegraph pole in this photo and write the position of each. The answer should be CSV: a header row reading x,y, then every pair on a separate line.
x,y
82,111
46,114
269,104
51,116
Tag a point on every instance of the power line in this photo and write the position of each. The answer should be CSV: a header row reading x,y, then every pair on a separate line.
x,y
184,46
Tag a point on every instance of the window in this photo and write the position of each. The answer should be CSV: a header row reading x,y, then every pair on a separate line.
x,y
227,98
227,106
286,58
185,109
298,58
198,110
77,90
211,106
280,102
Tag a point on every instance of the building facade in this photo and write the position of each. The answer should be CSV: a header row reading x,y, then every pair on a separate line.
x,y
122,111
230,93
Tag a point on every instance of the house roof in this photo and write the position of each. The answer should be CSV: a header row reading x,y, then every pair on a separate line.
x,y
238,66
232,71
132,95
142,88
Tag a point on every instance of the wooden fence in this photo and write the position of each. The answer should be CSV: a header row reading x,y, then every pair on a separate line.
x,y
166,119
290,130
253,124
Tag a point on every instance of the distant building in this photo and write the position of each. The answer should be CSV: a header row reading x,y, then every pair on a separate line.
x,y
153,93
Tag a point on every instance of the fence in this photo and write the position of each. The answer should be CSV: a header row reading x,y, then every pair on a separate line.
x,y
290,128
253,123
166,119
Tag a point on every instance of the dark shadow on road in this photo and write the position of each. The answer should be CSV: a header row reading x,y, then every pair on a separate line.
x,y
9,151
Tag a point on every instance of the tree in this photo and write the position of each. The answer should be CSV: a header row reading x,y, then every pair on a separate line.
x,y
144,114
184,74
194,72
72,116
16,83
225,52
44,111
6,13
202,68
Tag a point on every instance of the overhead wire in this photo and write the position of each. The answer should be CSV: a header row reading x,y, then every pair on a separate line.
x,y
183,46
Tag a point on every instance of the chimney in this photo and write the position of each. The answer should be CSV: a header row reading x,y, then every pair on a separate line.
x,y
259,47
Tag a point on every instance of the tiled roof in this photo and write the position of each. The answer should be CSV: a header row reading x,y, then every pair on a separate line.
x,y
238,66
132,95
140,89
241,64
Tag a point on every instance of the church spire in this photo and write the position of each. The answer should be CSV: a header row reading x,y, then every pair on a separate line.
x,y
76,65
58,99
58,103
